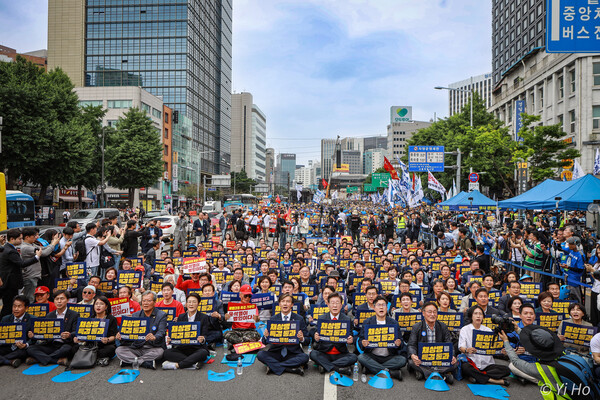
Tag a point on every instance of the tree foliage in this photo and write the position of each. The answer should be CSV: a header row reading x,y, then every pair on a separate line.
x,y
243,184
487,142
134,158
542,147
44,142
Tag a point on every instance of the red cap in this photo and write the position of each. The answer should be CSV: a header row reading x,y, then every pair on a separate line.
x,y
139,268
169,270
41,290
246,289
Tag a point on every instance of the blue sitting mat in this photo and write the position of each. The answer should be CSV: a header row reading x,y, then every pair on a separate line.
x,y
247,360
491,391
221,376
69,376
37,369
124,376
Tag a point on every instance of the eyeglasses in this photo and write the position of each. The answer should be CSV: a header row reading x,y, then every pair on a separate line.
x,y
88,292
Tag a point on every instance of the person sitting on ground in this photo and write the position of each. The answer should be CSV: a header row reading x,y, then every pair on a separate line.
x,y
189,356
14,354
169,301
333,356
429,330
151,348
242,332
107,346
377,359
280,358
56,351
42,296
479,369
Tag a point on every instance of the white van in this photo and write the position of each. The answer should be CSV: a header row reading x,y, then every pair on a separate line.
x,y
211,206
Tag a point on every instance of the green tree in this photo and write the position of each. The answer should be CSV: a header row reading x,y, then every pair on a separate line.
x,y
486,142
243,184
134,158
41,137
542,147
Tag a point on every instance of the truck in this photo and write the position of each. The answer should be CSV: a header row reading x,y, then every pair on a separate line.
x,y
212,206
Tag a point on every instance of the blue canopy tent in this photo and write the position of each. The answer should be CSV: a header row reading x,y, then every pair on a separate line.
x,y
575,195
461,202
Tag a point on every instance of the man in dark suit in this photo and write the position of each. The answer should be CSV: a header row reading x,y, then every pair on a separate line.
x,y
280,358
513,290
482,298
14,354
56,351
430,330
333,356
151,348
11,269
377,359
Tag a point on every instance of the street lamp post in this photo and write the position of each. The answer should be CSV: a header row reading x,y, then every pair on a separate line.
x,y
470,91
103,201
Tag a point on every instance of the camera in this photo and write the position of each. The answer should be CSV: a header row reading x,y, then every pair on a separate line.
x,y
596,275
504,323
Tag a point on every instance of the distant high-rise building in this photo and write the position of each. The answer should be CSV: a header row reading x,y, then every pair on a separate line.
x,y
180,51
286,163
457,99
327,152
518,26
270,165
373,160
248,137
375,142
354,160
398,135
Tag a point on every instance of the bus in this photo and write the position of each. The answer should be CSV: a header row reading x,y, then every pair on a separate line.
x,y
235,201
17,209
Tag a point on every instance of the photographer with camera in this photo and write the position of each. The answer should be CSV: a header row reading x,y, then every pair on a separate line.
x,y
573,267
525,365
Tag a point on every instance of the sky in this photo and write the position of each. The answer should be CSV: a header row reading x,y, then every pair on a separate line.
x,y
322,68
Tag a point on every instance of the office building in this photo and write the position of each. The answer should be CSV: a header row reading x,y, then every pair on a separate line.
x,y
373,160
270,165
117,101
375,142
327,152
457,99
352,158
308,176
518,26
180,51
398,135
286,165
38,57
248,137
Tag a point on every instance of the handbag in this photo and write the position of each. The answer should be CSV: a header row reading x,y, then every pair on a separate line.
x,y
85,357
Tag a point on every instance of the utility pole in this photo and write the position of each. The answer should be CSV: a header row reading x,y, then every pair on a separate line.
x,y
458,169
204,185
102,185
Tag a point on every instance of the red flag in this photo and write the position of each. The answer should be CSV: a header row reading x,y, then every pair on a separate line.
x,y
278,200
413,182
324,183
387,165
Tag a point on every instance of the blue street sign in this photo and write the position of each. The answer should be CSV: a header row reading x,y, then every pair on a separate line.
x,y
211,189
426,158
473,177
573,26
519,109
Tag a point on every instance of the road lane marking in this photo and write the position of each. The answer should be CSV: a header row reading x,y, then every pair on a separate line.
x,y
329,389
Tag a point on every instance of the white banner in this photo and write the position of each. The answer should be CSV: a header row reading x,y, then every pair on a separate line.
x,y
434,184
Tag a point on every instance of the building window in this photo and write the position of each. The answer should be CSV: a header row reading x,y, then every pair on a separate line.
x,y
541,96
119,103
166,150
146,108
572,121
510,112
156,113
112,123
561,121
166,133
572,78
596,117
166,118
597,73
93,103
561,87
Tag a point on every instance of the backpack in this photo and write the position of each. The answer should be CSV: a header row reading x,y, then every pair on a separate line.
x,y
79,247
107,259
575,373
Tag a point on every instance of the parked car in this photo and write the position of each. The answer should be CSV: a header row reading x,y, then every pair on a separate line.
x,y
84,217
154,213
168,223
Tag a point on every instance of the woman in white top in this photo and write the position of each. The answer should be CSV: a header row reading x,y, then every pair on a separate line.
x,y
480,369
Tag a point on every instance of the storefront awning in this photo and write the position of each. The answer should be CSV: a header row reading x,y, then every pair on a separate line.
x,y
75,199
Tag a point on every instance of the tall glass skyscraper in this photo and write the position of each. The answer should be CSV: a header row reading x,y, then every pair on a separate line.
x,y
177,49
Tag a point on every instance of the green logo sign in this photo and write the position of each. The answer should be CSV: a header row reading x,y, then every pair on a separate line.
x,y
402,112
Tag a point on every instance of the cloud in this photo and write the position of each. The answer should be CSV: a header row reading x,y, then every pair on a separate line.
x,y
322,68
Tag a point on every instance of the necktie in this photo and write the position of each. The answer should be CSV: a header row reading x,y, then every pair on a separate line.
x,y
285,318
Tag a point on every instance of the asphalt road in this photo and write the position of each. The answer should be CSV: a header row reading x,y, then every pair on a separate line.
x,y
187,384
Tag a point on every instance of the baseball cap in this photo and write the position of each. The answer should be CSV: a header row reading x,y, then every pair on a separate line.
x,y
139,267
573,240
41,290
246,289
169,270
